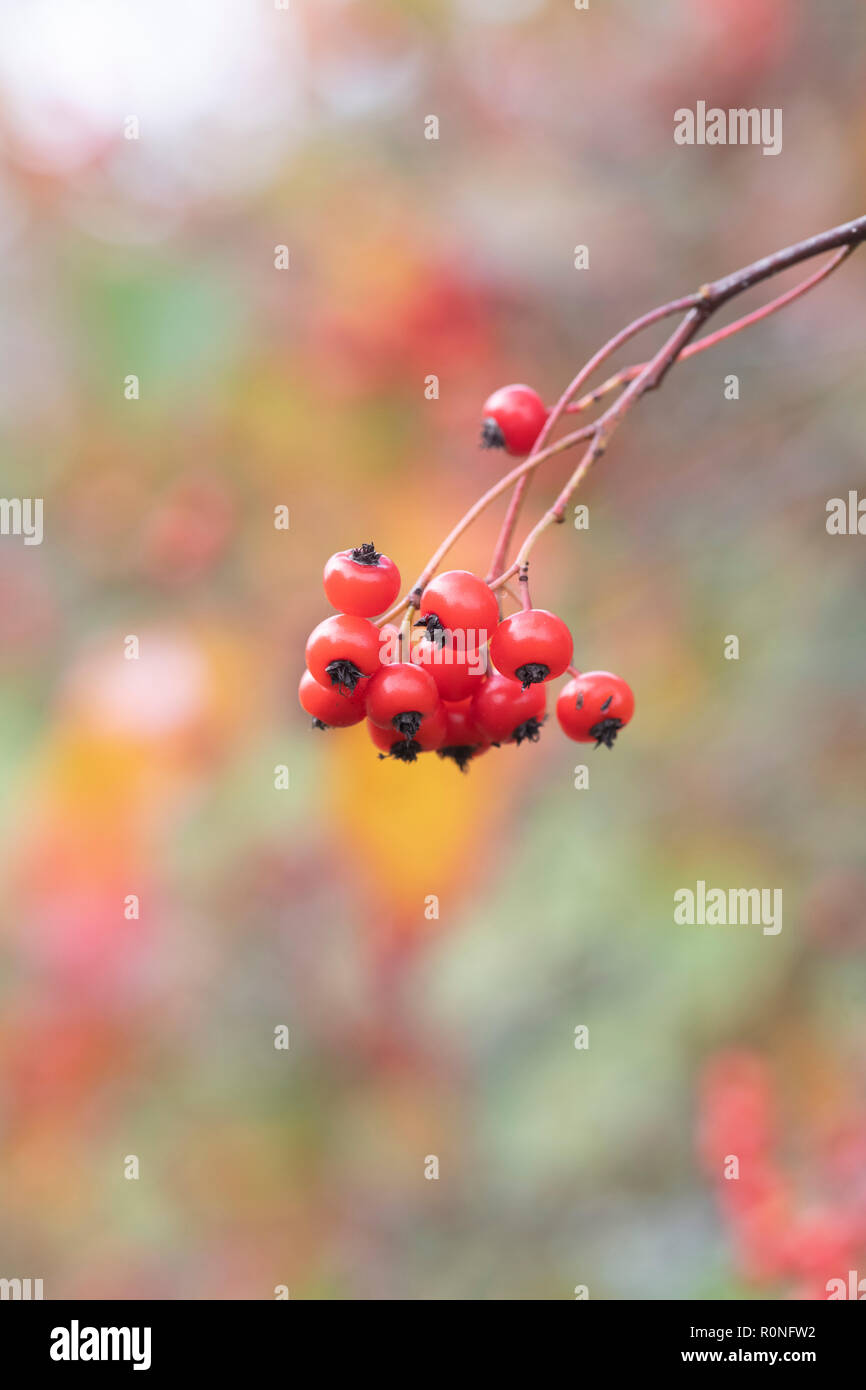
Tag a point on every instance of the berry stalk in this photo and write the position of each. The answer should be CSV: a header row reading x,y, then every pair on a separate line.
x,y
635,381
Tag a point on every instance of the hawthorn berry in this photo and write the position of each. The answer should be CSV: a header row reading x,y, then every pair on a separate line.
x,y
513,419
426,738
341,650
400,697
506,712
593,707
458,601
361,581
327,707
531,646
457,671
463,739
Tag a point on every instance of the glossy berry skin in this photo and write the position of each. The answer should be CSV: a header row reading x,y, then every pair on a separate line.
x,y
341,650
531,646
400,697
361,581
593,707
426,739
513,419
459,602
506,713
458,672
327,707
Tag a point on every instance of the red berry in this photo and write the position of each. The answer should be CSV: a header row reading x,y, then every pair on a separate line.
x,y
458,672
513,419
508,713
593,707
400,697
328,708
531,646
427,737
463,739
459,602
361,581
341,650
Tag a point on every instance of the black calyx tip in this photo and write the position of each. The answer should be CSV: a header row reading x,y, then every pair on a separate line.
x,y
461,754
533,673
404,751
491,435
605,732
529,729
320,724
366,554
408,723
436,629
344,675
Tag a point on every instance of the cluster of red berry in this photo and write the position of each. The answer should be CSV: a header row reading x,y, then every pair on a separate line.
x,y
471,679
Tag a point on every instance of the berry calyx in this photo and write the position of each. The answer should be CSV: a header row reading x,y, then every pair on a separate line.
x,y
328,708
504,712
594,707
342,650
463,739
365,554
532,673
400,697
459,602
513,419
531,646
491,434
529,731
361,581
394,744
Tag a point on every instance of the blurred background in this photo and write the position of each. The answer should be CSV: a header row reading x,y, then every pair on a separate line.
x,y
259,388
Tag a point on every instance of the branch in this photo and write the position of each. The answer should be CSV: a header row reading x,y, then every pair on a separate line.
x,y
619,340
701,305
697,308
528,465
629,373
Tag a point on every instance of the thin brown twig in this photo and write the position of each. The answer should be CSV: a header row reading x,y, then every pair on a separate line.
x,y
527,466
619,340
628,374
646,376
704,302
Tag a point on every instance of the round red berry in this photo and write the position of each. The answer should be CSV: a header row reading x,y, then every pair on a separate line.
x,y
426,738
400,697
457,671
459,602
361,581
327,707
593,707
531,646
341,650
506,712
513,419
